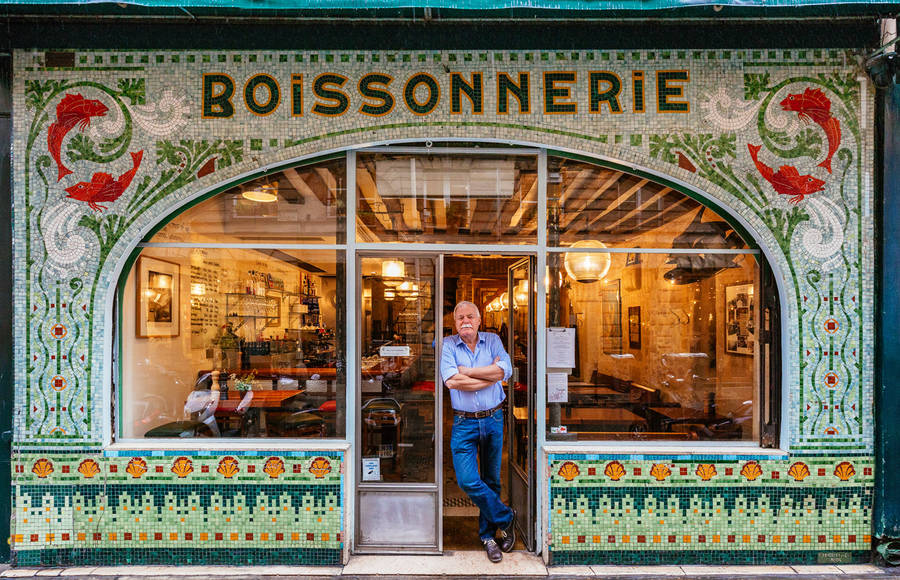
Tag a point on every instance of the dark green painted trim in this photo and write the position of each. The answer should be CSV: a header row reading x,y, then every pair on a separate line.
x,y
887,322
718,208
334,34
6,305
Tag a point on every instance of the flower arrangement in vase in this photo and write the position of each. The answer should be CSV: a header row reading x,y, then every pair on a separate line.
x,y
243,383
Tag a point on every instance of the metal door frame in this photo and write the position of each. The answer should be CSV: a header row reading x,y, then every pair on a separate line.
x,y
530,264
437,486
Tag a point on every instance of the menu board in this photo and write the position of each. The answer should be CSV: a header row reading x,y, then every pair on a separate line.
x,y
205,319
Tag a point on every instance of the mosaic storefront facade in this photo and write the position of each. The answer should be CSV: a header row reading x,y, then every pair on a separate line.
x,y
105,149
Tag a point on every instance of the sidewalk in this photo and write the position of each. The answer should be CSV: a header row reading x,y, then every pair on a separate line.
x,y
461,564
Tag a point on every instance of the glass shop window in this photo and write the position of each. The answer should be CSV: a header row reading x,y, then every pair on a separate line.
x,y
666,342
240,341
299,205
442,198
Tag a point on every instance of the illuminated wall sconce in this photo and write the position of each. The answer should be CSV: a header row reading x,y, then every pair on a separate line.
x,y
393,272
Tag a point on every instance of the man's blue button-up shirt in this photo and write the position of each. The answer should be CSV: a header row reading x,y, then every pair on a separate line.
x,y
455,353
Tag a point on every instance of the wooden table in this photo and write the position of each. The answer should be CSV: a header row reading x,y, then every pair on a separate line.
x,y
682,415
262,402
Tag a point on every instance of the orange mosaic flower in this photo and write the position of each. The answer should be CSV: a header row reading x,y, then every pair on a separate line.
x,y
228,467
274,467
799,471
751,470
136,467
89,468
706,471
614,470
182,467
568,471
320,467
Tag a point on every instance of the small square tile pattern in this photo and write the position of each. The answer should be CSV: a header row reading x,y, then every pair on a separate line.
x,y
724,122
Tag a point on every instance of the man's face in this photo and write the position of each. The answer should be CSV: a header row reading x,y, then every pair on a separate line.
x,y
467,320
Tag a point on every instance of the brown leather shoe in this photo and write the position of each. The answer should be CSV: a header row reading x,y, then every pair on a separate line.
x,y
508,535
493,550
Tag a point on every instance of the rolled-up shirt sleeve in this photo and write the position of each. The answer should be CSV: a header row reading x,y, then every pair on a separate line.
x,y
448,359
504,363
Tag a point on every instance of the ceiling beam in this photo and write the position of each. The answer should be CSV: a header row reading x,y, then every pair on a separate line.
x,y
575,212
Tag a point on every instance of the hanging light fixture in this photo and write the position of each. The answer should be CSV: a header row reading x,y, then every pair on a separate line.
x,y
504,301
393,272
520,296
263,192
587,267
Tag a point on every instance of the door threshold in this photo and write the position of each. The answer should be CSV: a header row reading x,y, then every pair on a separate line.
x,y
450,563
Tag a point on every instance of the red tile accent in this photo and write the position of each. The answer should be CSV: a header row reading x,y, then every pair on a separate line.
x,y
113,468
127,535
65,537
298,468
279,537
159,469
792,539
761,539
580,539
683,471
592,471
34,537
821,472
219,536
851,539
204,469
157,536
671,539
867,471
729,471
642,539
251,469
189,537
730,539
775,475
611,539
98,536
637,470
821,539
310,537
65,469
701,539
249,537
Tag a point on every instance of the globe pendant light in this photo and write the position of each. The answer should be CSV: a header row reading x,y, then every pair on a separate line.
x,y
587,267
264,193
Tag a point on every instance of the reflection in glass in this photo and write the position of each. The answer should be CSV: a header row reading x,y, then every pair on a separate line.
x,y
397,405
446,198
299,205
665,348
260,353
587,202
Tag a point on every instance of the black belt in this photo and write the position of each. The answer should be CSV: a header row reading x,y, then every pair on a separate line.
x,y
478,414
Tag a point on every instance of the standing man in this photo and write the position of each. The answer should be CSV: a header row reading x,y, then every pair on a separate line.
x,y
472,365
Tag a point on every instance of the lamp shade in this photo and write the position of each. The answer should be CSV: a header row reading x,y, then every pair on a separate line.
x,y
520,294
393,272
264,193
587,267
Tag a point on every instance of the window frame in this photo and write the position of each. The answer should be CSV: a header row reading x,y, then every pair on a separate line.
x,y
773,392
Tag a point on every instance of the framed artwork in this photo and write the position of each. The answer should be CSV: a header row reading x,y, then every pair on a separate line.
x,y
632,259
740,311
634,327
611,316
158,292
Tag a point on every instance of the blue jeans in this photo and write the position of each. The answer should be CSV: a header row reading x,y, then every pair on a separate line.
x,y
475,439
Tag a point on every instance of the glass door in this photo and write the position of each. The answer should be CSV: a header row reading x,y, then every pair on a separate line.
x,y
398,418
521,418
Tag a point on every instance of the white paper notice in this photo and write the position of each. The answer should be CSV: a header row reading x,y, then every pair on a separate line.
x,y
560,348
371,468
557,388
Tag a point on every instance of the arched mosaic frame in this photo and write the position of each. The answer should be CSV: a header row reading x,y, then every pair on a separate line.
x,y
68,257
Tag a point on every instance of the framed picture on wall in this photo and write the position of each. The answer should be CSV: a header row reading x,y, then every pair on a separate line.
x,y
740,311
158,291
634,327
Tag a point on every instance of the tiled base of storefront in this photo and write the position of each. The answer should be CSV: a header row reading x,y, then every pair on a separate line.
x,y
212,556
455,564
715,557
